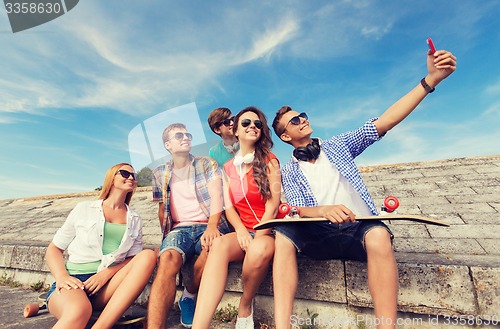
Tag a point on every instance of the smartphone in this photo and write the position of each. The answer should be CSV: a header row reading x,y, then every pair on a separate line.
x,y
431,45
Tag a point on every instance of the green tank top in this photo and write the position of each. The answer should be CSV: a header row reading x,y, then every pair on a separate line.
x,y
113,234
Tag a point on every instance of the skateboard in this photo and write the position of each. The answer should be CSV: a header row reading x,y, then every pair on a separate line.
x,y
133,315
290,214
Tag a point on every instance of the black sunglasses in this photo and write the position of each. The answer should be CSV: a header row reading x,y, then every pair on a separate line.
x,y
246,122
226,122
295,121
180,136
126,174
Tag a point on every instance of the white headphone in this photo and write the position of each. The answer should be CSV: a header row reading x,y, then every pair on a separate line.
x,y
239,161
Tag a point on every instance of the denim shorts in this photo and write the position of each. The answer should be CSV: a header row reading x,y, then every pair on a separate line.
x,y
326,240
81,277
185,240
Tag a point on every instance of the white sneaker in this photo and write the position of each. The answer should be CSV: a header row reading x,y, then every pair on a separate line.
x,y
245,323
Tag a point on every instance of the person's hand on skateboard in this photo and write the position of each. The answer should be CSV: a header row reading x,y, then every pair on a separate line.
x,y
337,214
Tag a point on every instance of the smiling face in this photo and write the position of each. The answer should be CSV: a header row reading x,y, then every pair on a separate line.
x,y
225,131
178,141
294,133
250,133
121,182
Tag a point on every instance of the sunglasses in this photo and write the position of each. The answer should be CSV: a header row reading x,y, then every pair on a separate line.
x,y
226,122
180,136
295,120
246,122
126,174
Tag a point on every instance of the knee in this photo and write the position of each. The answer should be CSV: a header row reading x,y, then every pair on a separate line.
x,y
170,262
378,241
282,243
259,254
82,312
220,246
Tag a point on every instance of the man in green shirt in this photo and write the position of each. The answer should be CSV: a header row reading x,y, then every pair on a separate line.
x,y
221,122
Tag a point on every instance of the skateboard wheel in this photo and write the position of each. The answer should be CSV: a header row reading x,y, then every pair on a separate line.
x,y
283,210
31,310
391,203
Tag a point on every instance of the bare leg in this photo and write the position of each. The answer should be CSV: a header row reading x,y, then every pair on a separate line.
x,y
285,279
124,288
163,289
198,267
72,308
224,250
382,276
255,265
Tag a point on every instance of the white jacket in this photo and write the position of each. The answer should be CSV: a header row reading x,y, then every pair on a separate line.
x,y
83,231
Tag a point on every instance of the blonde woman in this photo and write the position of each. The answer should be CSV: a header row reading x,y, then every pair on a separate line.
x,y
107,268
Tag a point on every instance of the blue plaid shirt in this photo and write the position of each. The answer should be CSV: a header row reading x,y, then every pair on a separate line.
x,y
203,171
341,151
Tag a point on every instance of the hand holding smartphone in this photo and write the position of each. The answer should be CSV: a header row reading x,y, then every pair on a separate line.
x,y
431,45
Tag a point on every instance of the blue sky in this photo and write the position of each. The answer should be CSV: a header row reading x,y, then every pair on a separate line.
x,y
72,90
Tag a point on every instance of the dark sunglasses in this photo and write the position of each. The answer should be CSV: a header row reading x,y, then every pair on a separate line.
x,y
246,122
226,122
180,136
295,120
126,174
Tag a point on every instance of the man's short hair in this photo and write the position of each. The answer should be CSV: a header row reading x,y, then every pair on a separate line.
x,y
216,116
278,130
167,130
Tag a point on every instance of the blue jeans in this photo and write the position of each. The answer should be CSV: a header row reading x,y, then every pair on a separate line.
x,y
81,277
185,240
325,240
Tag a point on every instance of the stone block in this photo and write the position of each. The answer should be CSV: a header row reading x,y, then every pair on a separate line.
x,y
486,283
457,172
491,246
6,255
422,288
406,229
321,280
466,232
477,218
28,258
445,191
481,208
439,246
436,289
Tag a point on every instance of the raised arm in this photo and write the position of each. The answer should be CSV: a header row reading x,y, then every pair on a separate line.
x,y
439,65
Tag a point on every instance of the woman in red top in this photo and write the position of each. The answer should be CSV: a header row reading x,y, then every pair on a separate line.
x,y
252,188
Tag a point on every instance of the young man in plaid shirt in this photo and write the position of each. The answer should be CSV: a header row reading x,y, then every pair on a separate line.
x,y
188,190
322,180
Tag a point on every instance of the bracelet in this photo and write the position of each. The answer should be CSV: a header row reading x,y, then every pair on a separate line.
x,y
427,88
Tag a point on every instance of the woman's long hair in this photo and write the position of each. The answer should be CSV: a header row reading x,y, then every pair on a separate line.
x,y
108,182
263,147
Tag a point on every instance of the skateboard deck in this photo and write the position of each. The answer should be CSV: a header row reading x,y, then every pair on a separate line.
x,y
134,314
414,218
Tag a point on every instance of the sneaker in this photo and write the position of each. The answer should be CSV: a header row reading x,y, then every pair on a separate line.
x,y
187,306
245,323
